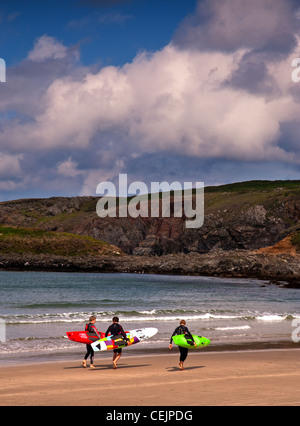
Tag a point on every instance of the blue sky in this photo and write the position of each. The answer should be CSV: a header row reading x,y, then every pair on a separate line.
x,y
109,32
161,90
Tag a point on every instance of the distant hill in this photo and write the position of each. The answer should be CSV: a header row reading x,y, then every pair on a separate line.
x,y
255,186
246,215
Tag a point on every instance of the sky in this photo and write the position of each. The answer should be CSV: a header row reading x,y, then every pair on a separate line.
x,y
161,90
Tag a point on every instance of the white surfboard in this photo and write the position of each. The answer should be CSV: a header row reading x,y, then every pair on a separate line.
x,y
118,342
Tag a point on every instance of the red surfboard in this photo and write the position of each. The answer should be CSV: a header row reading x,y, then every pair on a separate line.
x,y
84,336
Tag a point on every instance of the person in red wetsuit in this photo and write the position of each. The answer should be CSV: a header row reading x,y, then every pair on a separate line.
x,y
115,329
90,327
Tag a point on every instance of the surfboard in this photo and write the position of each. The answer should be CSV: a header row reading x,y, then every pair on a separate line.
x,y
118,342
83,336
185,342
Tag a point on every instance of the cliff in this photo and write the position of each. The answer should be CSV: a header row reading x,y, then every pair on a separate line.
x,y
240,219
245,216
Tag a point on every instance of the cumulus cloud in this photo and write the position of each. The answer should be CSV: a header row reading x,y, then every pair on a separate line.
x,y
234,24
68,168
47,47
221,90
21,98
10,165
171,101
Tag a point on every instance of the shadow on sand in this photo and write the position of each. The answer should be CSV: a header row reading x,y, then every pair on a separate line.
x,y
106,367
172,369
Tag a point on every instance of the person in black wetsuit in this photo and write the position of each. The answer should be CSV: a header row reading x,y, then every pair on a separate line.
x,y
90,327
182,329
115,329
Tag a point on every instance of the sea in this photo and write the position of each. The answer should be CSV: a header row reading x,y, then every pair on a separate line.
x,y
38,308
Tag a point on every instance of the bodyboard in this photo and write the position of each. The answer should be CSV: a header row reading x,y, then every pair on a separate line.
x,y
185,342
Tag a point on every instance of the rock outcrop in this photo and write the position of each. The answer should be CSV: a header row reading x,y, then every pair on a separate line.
x,y
234,264
246,233
240,216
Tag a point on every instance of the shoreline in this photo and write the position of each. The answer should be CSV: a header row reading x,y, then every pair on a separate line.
x,y
263,377
73,356
277,268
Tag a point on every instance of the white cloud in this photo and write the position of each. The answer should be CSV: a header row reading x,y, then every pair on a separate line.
x,y
68,168
177,101
234,24
47,47
10,165
172,101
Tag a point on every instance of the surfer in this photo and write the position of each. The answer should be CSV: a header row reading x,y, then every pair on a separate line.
x,y
90,327
182,329
115,329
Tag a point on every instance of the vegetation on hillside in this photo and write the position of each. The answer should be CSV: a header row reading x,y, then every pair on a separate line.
x,y
251,214
256,186
35,241
295,240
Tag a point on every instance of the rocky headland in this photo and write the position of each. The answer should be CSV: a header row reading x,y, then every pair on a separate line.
x,y
250,229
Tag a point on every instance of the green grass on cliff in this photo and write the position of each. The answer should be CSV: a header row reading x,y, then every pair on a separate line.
x,y
78,215
241,196
256,186
33,241
296,240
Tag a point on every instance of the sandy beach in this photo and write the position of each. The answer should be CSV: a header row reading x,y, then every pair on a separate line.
x,y
265,377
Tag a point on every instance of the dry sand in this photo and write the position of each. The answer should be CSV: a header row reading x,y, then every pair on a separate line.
x,y
270,377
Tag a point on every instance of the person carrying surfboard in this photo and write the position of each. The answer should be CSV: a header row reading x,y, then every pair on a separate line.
x,y
115,329
90,327
182,329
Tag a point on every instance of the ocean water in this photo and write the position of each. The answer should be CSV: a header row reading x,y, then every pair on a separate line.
x,y
38,308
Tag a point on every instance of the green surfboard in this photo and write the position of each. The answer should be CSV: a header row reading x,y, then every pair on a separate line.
x,y
185,342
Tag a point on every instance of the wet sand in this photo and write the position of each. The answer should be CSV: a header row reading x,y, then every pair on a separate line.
x,y
265,377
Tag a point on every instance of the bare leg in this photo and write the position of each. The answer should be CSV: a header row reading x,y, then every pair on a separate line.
x,y
116,358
